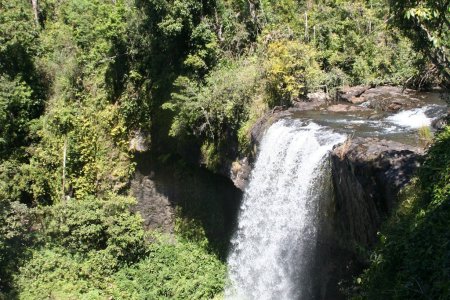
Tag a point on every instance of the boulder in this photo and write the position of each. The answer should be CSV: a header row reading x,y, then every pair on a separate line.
x,y
155,208
441,122
139,142
351,94
240,173
318,97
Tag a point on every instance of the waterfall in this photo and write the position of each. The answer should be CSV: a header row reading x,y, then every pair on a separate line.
x,y
277,225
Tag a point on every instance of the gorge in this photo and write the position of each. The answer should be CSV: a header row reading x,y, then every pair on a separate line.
x,y
315,195
224,149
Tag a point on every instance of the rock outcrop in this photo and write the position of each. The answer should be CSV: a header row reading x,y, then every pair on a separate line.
x,y
170,189
139,142
390,98
156,208
346,108
367,175
381,98
351,94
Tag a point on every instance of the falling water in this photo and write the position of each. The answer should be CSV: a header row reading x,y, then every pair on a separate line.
x,y
277,230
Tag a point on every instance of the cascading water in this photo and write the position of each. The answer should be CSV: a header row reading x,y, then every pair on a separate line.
x,y
277,226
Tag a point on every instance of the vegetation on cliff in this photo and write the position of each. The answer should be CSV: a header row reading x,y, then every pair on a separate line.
x,y
412,259
79,78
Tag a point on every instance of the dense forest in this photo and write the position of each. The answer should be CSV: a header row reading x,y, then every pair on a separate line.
x,y
79,79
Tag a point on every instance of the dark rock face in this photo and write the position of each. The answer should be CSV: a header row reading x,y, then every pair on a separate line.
x,y
360,188
155,207
166,190
367,175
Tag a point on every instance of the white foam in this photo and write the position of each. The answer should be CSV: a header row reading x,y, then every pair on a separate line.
x,y
412,119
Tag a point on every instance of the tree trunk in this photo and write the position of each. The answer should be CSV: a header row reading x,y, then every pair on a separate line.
x,y
64,171
306,27
35,11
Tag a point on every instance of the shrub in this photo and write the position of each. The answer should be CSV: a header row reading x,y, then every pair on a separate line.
x,y
173,270
90,224
291,70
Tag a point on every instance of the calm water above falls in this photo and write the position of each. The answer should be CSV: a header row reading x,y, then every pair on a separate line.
x,y
277,229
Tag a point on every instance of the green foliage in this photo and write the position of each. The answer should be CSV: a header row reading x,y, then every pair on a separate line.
x,y
173,270
15,236
411,261
425,136
81,226
426,23
89,73
215,111
16,111
82,36
56,274
292,71
21,88
80,244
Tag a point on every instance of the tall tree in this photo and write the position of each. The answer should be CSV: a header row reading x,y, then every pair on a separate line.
x,y
426,23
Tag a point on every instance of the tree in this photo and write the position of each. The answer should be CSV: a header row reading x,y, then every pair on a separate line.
x,y
35,5
426,23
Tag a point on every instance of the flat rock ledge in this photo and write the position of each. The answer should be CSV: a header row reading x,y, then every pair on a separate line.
x,y
381,98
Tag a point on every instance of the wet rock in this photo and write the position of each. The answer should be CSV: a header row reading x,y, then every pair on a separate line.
x,y
318,97
139,142
440,123
240,173
367,175
346,108
351,94
391,99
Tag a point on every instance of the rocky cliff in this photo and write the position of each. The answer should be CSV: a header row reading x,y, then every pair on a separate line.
x,y
367,175
167,188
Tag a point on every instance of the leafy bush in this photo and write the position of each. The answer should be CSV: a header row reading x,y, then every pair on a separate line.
x,y
215,111
425,22
15,237
90,224
56,274
291,70
80,245
173,270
